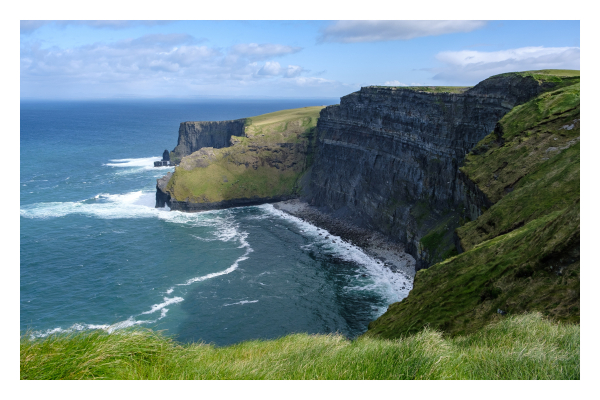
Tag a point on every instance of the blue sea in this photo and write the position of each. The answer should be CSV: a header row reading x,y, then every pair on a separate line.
x,y
96,254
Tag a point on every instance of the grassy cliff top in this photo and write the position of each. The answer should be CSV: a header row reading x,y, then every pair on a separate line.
x,y
555,72
557,78
265,120
267,162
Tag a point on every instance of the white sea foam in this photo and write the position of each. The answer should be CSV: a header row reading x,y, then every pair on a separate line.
x,y
167,301
132,321
136,165
137,204
129,322
241,303
145,162
394,286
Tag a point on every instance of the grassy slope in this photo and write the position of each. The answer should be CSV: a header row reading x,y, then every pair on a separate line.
x,y
529,168
521,254
267,162
526,347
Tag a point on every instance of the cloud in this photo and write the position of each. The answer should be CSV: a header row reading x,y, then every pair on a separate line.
x,y
270,68
377,31
470,67
273,68
151,63
293,71
312,81
394,83
256,51
28,26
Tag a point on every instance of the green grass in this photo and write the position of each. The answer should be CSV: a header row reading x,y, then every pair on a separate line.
x,y
523,347
533,268
528,167
268,162
549,78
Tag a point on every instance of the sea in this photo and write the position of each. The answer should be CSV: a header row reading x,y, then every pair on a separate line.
x,y
95,253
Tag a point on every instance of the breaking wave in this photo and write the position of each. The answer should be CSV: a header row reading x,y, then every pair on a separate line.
x,y
394,286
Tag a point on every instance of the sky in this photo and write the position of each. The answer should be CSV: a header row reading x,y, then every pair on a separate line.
x,y
278,59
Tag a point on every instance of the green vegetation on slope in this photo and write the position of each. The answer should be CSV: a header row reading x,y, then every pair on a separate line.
x,y
522,254
525,347
529,166
534,268
267,162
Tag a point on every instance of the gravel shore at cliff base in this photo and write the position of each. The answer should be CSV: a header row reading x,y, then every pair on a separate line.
x,y
373,243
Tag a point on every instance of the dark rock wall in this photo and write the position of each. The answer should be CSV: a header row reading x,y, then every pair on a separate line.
x,y
195,135
389,156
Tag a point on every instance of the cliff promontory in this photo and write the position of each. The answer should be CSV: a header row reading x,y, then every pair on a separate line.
x,y
262,161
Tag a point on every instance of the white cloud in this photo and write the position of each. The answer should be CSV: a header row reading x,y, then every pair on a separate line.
x,y
273,68
312,81
256,51
394,83
470,67
377,31
152,63
270,68
293,71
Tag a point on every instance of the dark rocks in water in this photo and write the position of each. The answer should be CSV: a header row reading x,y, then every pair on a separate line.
x,y
166,156
163,198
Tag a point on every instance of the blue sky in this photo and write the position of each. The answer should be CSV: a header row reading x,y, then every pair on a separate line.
x,y
278,59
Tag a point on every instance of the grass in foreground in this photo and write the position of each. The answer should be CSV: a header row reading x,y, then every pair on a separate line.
x,y
519,347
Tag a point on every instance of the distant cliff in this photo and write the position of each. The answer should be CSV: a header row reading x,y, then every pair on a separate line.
x,y
195,135
389,157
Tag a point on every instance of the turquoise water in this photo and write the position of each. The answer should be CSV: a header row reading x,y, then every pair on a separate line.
x,y
96,254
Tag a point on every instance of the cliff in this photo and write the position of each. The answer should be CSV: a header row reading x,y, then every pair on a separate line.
x,y
263,163
195,135
389,157
522,254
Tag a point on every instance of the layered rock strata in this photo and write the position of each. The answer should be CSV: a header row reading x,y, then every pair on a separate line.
x,y
389,157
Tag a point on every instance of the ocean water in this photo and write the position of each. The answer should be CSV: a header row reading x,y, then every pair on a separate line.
x,y
96,254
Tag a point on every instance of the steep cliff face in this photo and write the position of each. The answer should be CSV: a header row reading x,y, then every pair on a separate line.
x,y
523,253
217,134
389,157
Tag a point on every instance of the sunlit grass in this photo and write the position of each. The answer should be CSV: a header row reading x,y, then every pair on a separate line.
x,y
521,347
